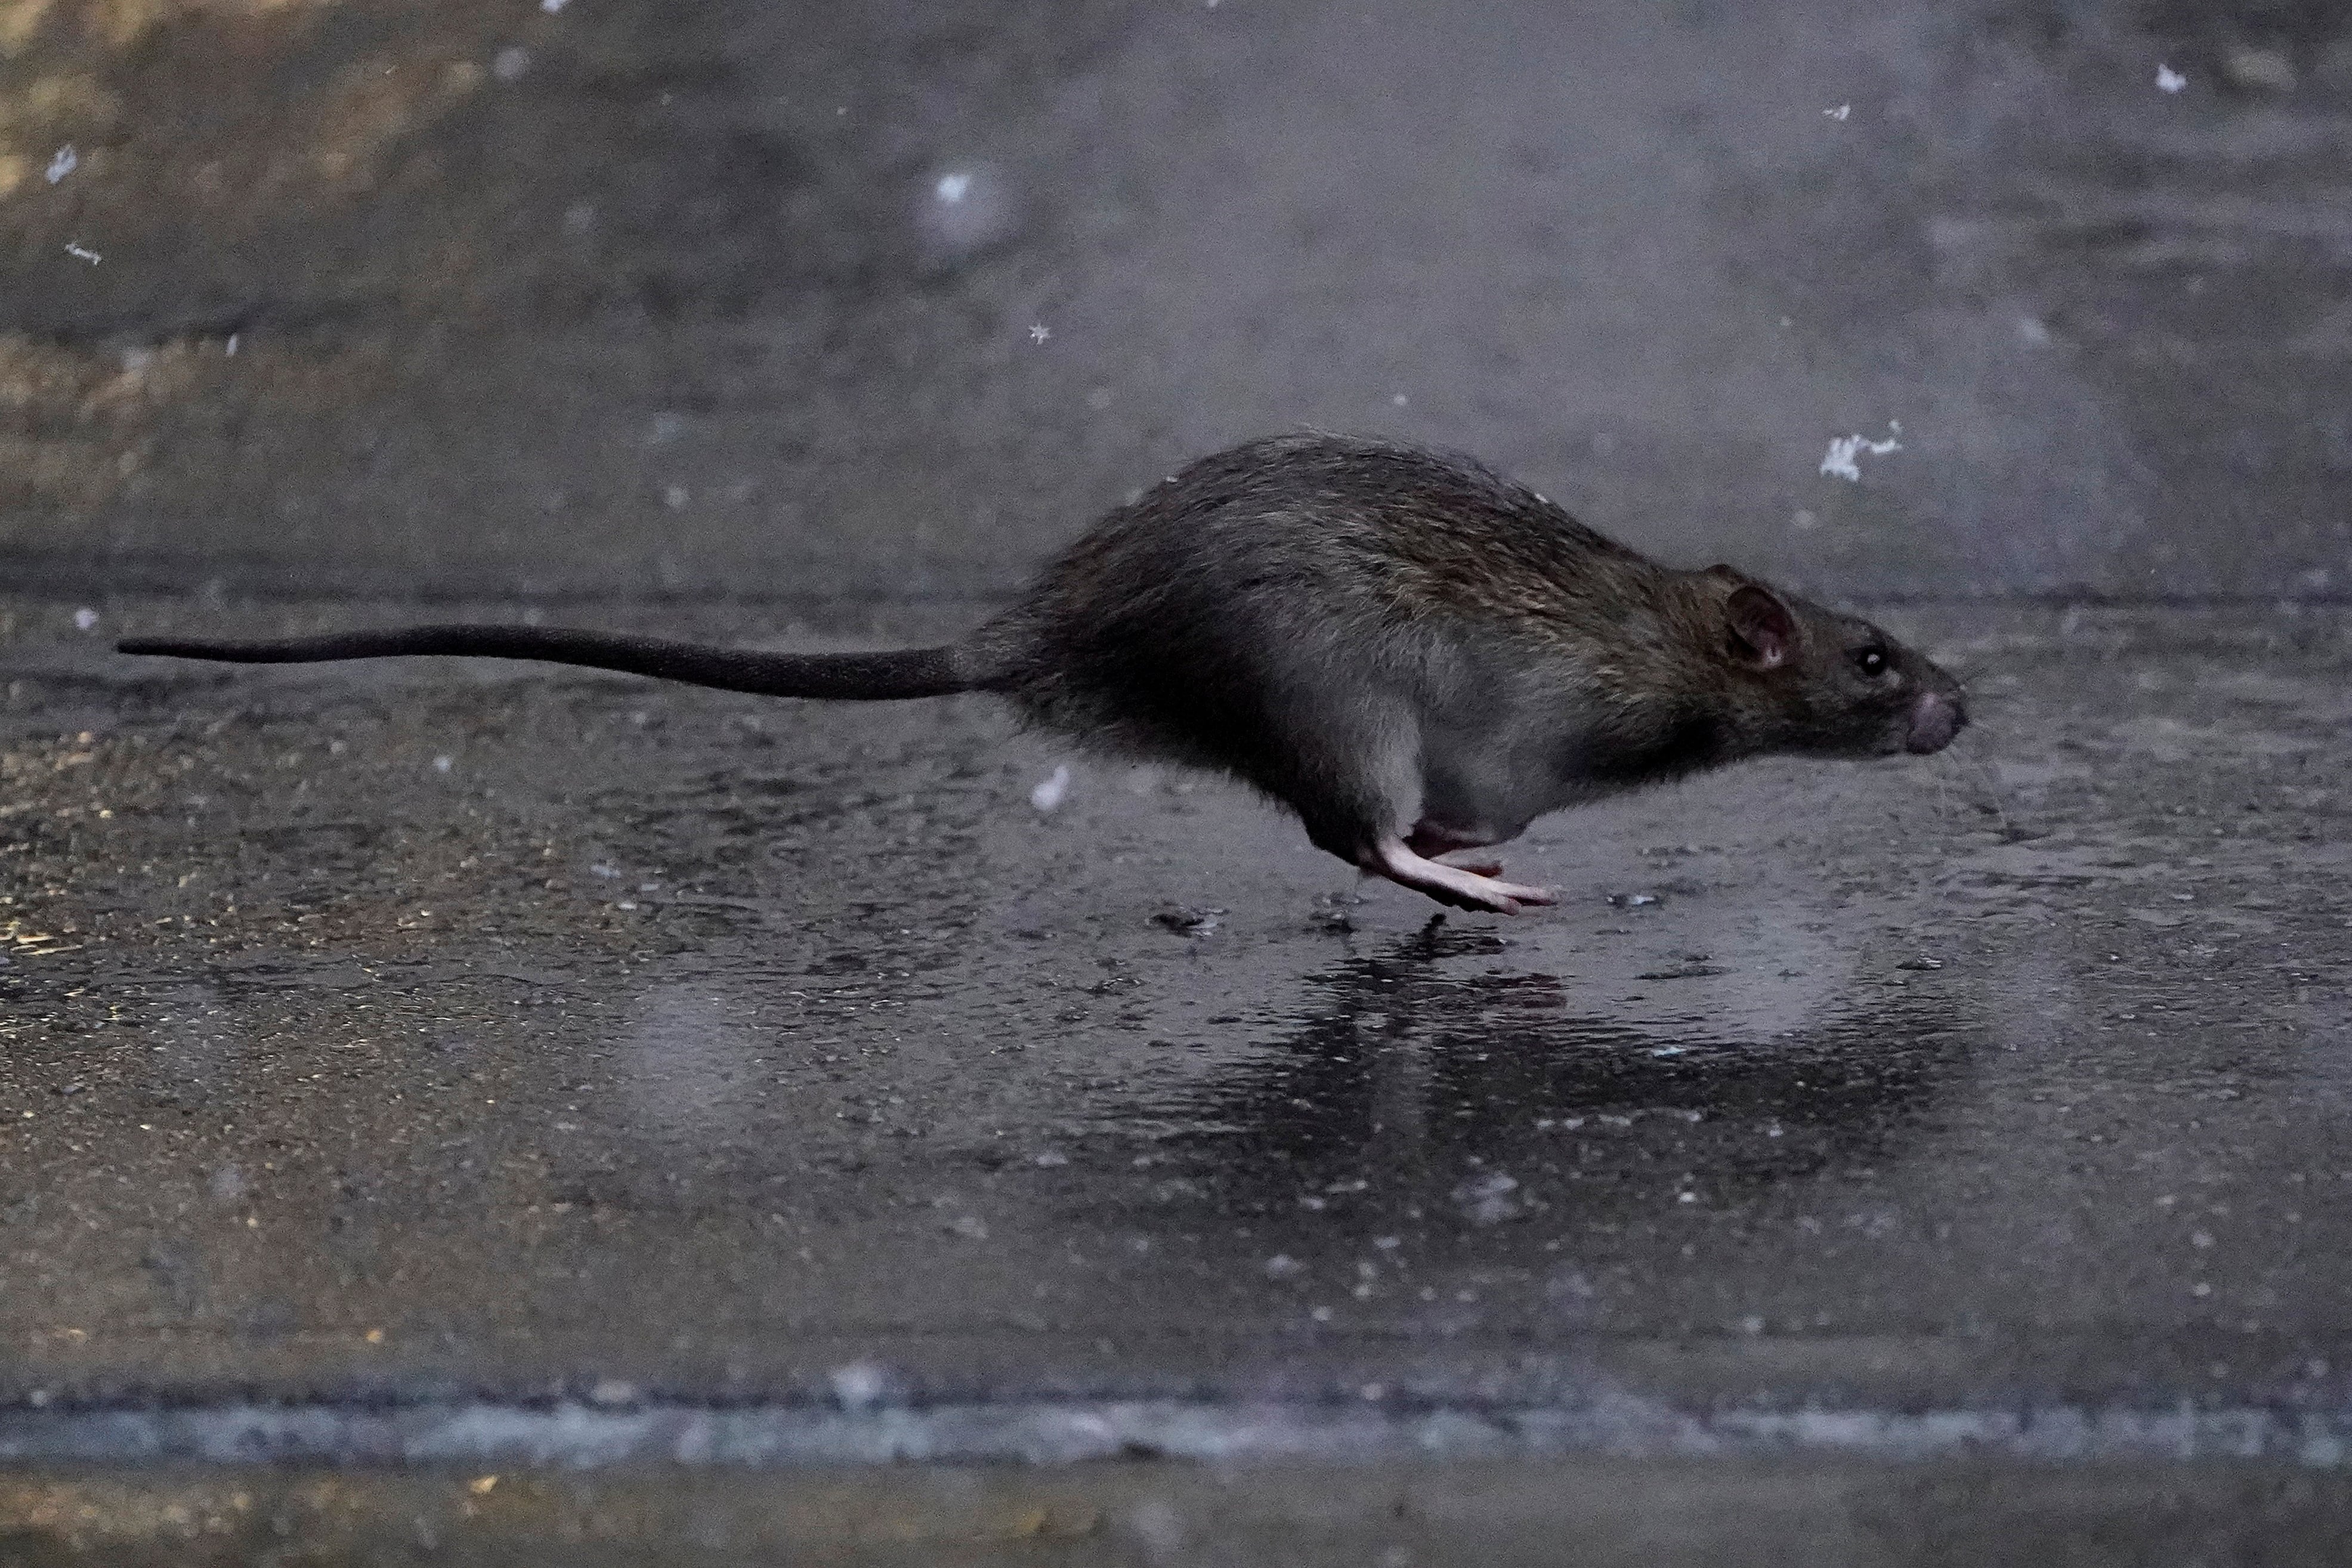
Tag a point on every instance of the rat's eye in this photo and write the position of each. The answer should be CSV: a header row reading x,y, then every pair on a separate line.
x,y
1870,662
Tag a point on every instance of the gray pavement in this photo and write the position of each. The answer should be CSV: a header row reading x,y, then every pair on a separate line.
x,y
677,1076
738,297
416,1073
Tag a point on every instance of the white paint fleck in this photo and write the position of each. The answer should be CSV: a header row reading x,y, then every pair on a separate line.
x,y
64,161
1839,461
553,6
1840,113
442,764
1040,332
85,619
1052,790
509,63
81,252
2170,80
952,188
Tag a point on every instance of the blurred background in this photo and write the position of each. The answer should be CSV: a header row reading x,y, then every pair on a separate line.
x,y
1935,298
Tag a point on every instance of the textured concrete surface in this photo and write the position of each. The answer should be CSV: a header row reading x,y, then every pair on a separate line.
x,y
1679,1514
638,296
466,1070
504,1034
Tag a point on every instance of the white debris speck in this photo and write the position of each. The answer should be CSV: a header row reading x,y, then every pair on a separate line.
x,y
1040,332
626,903
2032,329
1840,113
509,63
1052,790
1839,463
859,1386
442,764
2170,80
230,349
1803,521
952,188
84,619
1283,1266
1321,1315
1399,399
81,252
677,496
553,6
1049,1159
970,1226
64,161
600,869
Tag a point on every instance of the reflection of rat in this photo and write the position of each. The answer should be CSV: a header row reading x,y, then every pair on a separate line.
x,y
1415,655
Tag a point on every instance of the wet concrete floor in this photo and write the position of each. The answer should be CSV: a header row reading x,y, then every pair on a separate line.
x,y
491,1063
471,1065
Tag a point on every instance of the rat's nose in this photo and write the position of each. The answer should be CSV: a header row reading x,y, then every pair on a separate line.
x,y
1935,719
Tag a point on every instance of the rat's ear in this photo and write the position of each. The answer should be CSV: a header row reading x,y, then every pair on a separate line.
x,y
1763,632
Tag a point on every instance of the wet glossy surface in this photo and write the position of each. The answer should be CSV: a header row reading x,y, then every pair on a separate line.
x,y
667,1046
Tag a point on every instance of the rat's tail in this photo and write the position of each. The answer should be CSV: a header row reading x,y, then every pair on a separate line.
x,y
899,672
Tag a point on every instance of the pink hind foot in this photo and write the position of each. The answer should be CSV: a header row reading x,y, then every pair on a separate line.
x,y
1434,843
1460,886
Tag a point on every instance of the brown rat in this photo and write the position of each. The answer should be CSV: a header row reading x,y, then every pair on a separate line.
x,y
1416,656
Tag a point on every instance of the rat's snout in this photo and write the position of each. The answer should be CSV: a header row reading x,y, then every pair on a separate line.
x,y
1935,717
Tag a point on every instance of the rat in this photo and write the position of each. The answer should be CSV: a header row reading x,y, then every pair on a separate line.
x,y
1415,654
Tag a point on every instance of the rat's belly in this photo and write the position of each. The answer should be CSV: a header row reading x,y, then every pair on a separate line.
x,y
1486,790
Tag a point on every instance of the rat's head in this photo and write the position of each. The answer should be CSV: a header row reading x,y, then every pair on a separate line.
x,y
1811,680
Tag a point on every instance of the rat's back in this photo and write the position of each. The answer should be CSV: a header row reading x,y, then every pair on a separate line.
x,y
1299,570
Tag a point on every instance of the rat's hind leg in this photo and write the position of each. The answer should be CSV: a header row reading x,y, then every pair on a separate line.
x,y
1457,885
1352,772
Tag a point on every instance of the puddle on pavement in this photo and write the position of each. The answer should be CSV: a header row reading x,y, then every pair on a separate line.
x,y
678,1048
